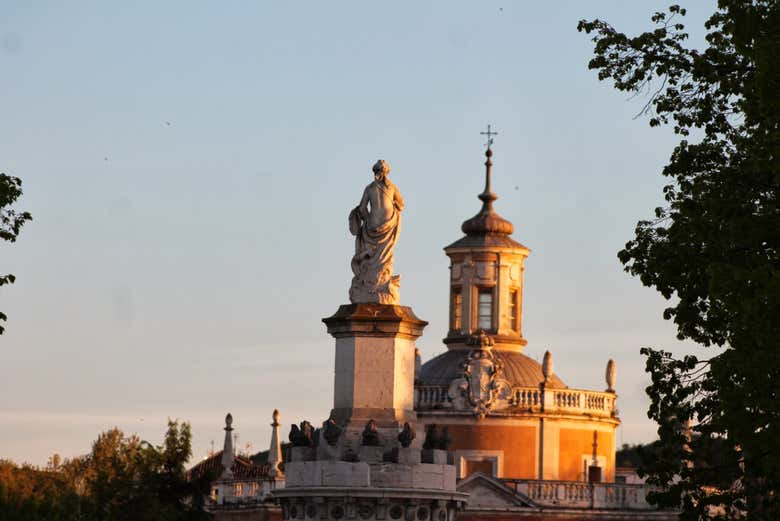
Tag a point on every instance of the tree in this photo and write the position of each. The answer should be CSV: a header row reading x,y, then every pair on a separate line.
x,y
133,480
11,221
712,251
121,479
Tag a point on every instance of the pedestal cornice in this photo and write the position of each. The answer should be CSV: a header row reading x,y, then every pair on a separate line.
x,y
375,320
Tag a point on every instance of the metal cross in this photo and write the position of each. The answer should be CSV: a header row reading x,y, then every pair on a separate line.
x,y
490,135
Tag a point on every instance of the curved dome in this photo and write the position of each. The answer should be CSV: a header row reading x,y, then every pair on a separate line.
x,y
519,370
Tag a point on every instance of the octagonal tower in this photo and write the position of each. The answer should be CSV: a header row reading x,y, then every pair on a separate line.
x,y
509,415
486,278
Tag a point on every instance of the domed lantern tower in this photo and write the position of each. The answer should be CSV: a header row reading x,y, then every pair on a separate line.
x,y
508,415
486,278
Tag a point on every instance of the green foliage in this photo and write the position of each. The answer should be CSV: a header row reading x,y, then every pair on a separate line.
x,y
636,455
28,493
122,479
11,221
712,251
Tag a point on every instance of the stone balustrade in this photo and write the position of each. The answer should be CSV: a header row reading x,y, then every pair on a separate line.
x,y
533,399
578,494
429,395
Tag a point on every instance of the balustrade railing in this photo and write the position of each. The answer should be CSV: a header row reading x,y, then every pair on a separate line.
x,y
535,399
577,494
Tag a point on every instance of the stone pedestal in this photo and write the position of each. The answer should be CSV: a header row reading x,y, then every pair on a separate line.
x,y
303,453
434,456
371,454
406,456
375,363
374,380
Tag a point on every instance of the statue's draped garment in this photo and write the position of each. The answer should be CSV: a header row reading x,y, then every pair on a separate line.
x,y
376,224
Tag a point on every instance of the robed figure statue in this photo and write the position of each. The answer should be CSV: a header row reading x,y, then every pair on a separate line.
x,y
376,224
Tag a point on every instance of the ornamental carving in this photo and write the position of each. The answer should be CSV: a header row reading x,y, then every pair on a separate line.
x,y
482,387
486,271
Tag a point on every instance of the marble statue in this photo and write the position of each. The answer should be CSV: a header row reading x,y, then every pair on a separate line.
x,y
376,224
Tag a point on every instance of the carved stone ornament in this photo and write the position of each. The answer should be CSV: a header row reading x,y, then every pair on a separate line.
x,y
482,387
406,436
331,432
303,436
370,435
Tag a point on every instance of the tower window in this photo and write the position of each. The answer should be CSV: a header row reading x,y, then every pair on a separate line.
x,y
485,309
513,318
455,313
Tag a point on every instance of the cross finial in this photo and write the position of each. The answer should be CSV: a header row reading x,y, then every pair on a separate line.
x,y
489,135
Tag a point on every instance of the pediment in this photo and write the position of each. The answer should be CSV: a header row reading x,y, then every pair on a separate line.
x,y
489,492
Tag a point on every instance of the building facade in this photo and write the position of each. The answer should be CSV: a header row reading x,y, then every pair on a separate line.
x,y
507,414
523,444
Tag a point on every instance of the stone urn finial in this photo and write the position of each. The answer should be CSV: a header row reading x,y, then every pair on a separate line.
x,y
275,417
547,366
611,376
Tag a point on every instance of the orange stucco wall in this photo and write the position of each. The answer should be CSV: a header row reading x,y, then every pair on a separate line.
x,y
576,442
517,442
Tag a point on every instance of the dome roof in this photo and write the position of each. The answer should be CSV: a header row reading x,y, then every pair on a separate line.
x,y
519,370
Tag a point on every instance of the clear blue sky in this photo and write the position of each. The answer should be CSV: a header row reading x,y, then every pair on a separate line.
x,y
190,167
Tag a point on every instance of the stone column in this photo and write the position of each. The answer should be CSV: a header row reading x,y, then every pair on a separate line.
x,y
375,361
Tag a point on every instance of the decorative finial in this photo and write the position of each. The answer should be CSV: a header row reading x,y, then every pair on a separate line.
x,y
487,221
275,449
547,366
489,135
611,376
227,449
487,197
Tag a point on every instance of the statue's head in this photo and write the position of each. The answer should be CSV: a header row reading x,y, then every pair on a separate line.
x,y
381,169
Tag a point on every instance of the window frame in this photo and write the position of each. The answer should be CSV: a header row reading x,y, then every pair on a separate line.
x,y
486,290
456,308
514,309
